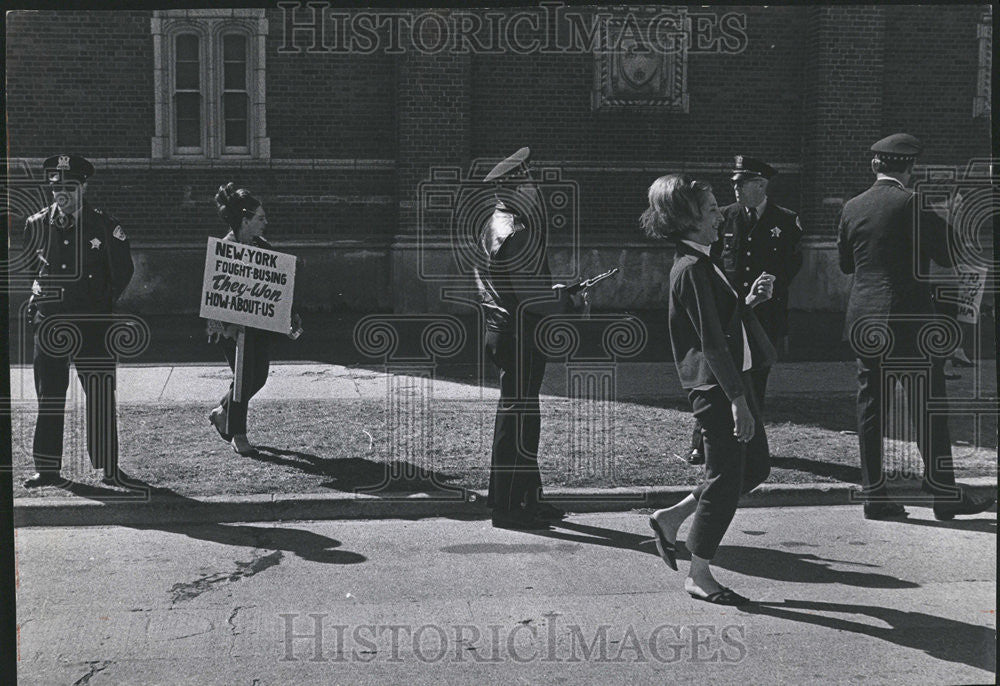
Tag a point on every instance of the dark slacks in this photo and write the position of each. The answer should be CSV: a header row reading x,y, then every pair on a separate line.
x,y
95,367
731,468
759,378
256,365
933,437
514,475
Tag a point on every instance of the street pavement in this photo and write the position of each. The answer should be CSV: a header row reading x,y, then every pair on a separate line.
x,y
201,383
841,600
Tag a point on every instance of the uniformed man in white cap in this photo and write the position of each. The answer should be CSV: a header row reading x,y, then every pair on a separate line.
x,y
83,262
515,291
877,239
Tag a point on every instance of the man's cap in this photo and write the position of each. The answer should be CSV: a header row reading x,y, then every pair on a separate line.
x,y
897,147
514,163
748,167
67,168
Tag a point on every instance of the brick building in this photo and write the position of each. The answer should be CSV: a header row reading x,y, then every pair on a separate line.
x,y
338,121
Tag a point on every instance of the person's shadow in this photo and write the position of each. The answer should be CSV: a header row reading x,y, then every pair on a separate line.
x,y
768,563
938,637
370,477
304,544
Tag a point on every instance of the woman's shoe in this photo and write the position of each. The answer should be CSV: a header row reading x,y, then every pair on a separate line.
x,y
667,550
960,359
242,446
726,596
217,418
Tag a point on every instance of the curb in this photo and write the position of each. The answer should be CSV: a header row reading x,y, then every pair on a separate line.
x,y
174,509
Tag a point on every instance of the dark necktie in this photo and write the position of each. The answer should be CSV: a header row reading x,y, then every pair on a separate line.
x,y
752,212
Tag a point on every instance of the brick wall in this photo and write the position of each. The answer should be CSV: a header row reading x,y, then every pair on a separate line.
x,y
933,101
843,107
352,136
80,81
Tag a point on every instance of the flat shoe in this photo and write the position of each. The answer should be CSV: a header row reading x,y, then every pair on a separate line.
x,y
220,427
667,550
242,446
548,512
726,596
884,510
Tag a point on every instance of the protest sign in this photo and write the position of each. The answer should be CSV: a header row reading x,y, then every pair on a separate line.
x,y
970,295
248,286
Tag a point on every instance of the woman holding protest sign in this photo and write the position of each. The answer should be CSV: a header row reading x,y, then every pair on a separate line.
x,y
245,217
716,341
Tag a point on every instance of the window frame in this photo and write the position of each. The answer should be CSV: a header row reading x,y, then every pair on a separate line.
x,y
211,27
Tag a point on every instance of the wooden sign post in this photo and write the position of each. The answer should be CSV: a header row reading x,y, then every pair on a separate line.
x,y
247,286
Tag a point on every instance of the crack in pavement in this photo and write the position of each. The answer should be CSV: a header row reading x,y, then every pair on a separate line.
x,y
244,570
232,618
95,667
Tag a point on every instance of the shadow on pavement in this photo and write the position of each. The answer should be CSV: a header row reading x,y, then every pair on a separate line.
x,y
304,544
833,470
985,526
938,637
768,563
361,475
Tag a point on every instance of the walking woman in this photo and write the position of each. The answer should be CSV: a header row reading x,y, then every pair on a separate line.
x,y
716,341
244,215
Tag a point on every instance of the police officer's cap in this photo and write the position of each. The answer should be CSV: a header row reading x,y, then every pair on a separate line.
x,y
67,167
514,163
898,146
748,168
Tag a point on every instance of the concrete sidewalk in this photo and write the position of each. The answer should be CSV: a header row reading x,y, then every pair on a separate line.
x,y
198,383
839,600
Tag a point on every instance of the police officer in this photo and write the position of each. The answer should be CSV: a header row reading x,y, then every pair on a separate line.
x,y
758,236
877,240
515,291
82,264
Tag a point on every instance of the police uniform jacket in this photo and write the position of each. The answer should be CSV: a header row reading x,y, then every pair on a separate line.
x,y
771,245
706,335
876,243
82,264
513,259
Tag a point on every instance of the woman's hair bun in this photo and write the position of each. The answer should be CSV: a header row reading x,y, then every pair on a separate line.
x,y
234,203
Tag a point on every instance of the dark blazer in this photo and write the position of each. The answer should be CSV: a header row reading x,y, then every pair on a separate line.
x,y
705,332
876,243
772,245
88,262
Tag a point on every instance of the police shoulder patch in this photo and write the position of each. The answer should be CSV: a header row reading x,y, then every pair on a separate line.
x,y
119,233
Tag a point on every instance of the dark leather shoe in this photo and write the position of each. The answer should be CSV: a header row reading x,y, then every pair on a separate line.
x,y
884,510
519,521
39,479
968,504
548,512
696,457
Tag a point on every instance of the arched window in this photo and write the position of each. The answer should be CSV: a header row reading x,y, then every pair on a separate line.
x,y
209,81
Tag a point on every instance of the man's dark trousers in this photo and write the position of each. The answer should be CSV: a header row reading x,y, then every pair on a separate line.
x,y
514,476
933,438
95,366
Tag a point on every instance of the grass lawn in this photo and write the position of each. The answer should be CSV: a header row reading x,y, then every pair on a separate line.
x,y
316,447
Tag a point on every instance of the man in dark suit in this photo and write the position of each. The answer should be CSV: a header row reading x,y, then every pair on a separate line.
x,y
515,292
82,265
880,244
757,236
